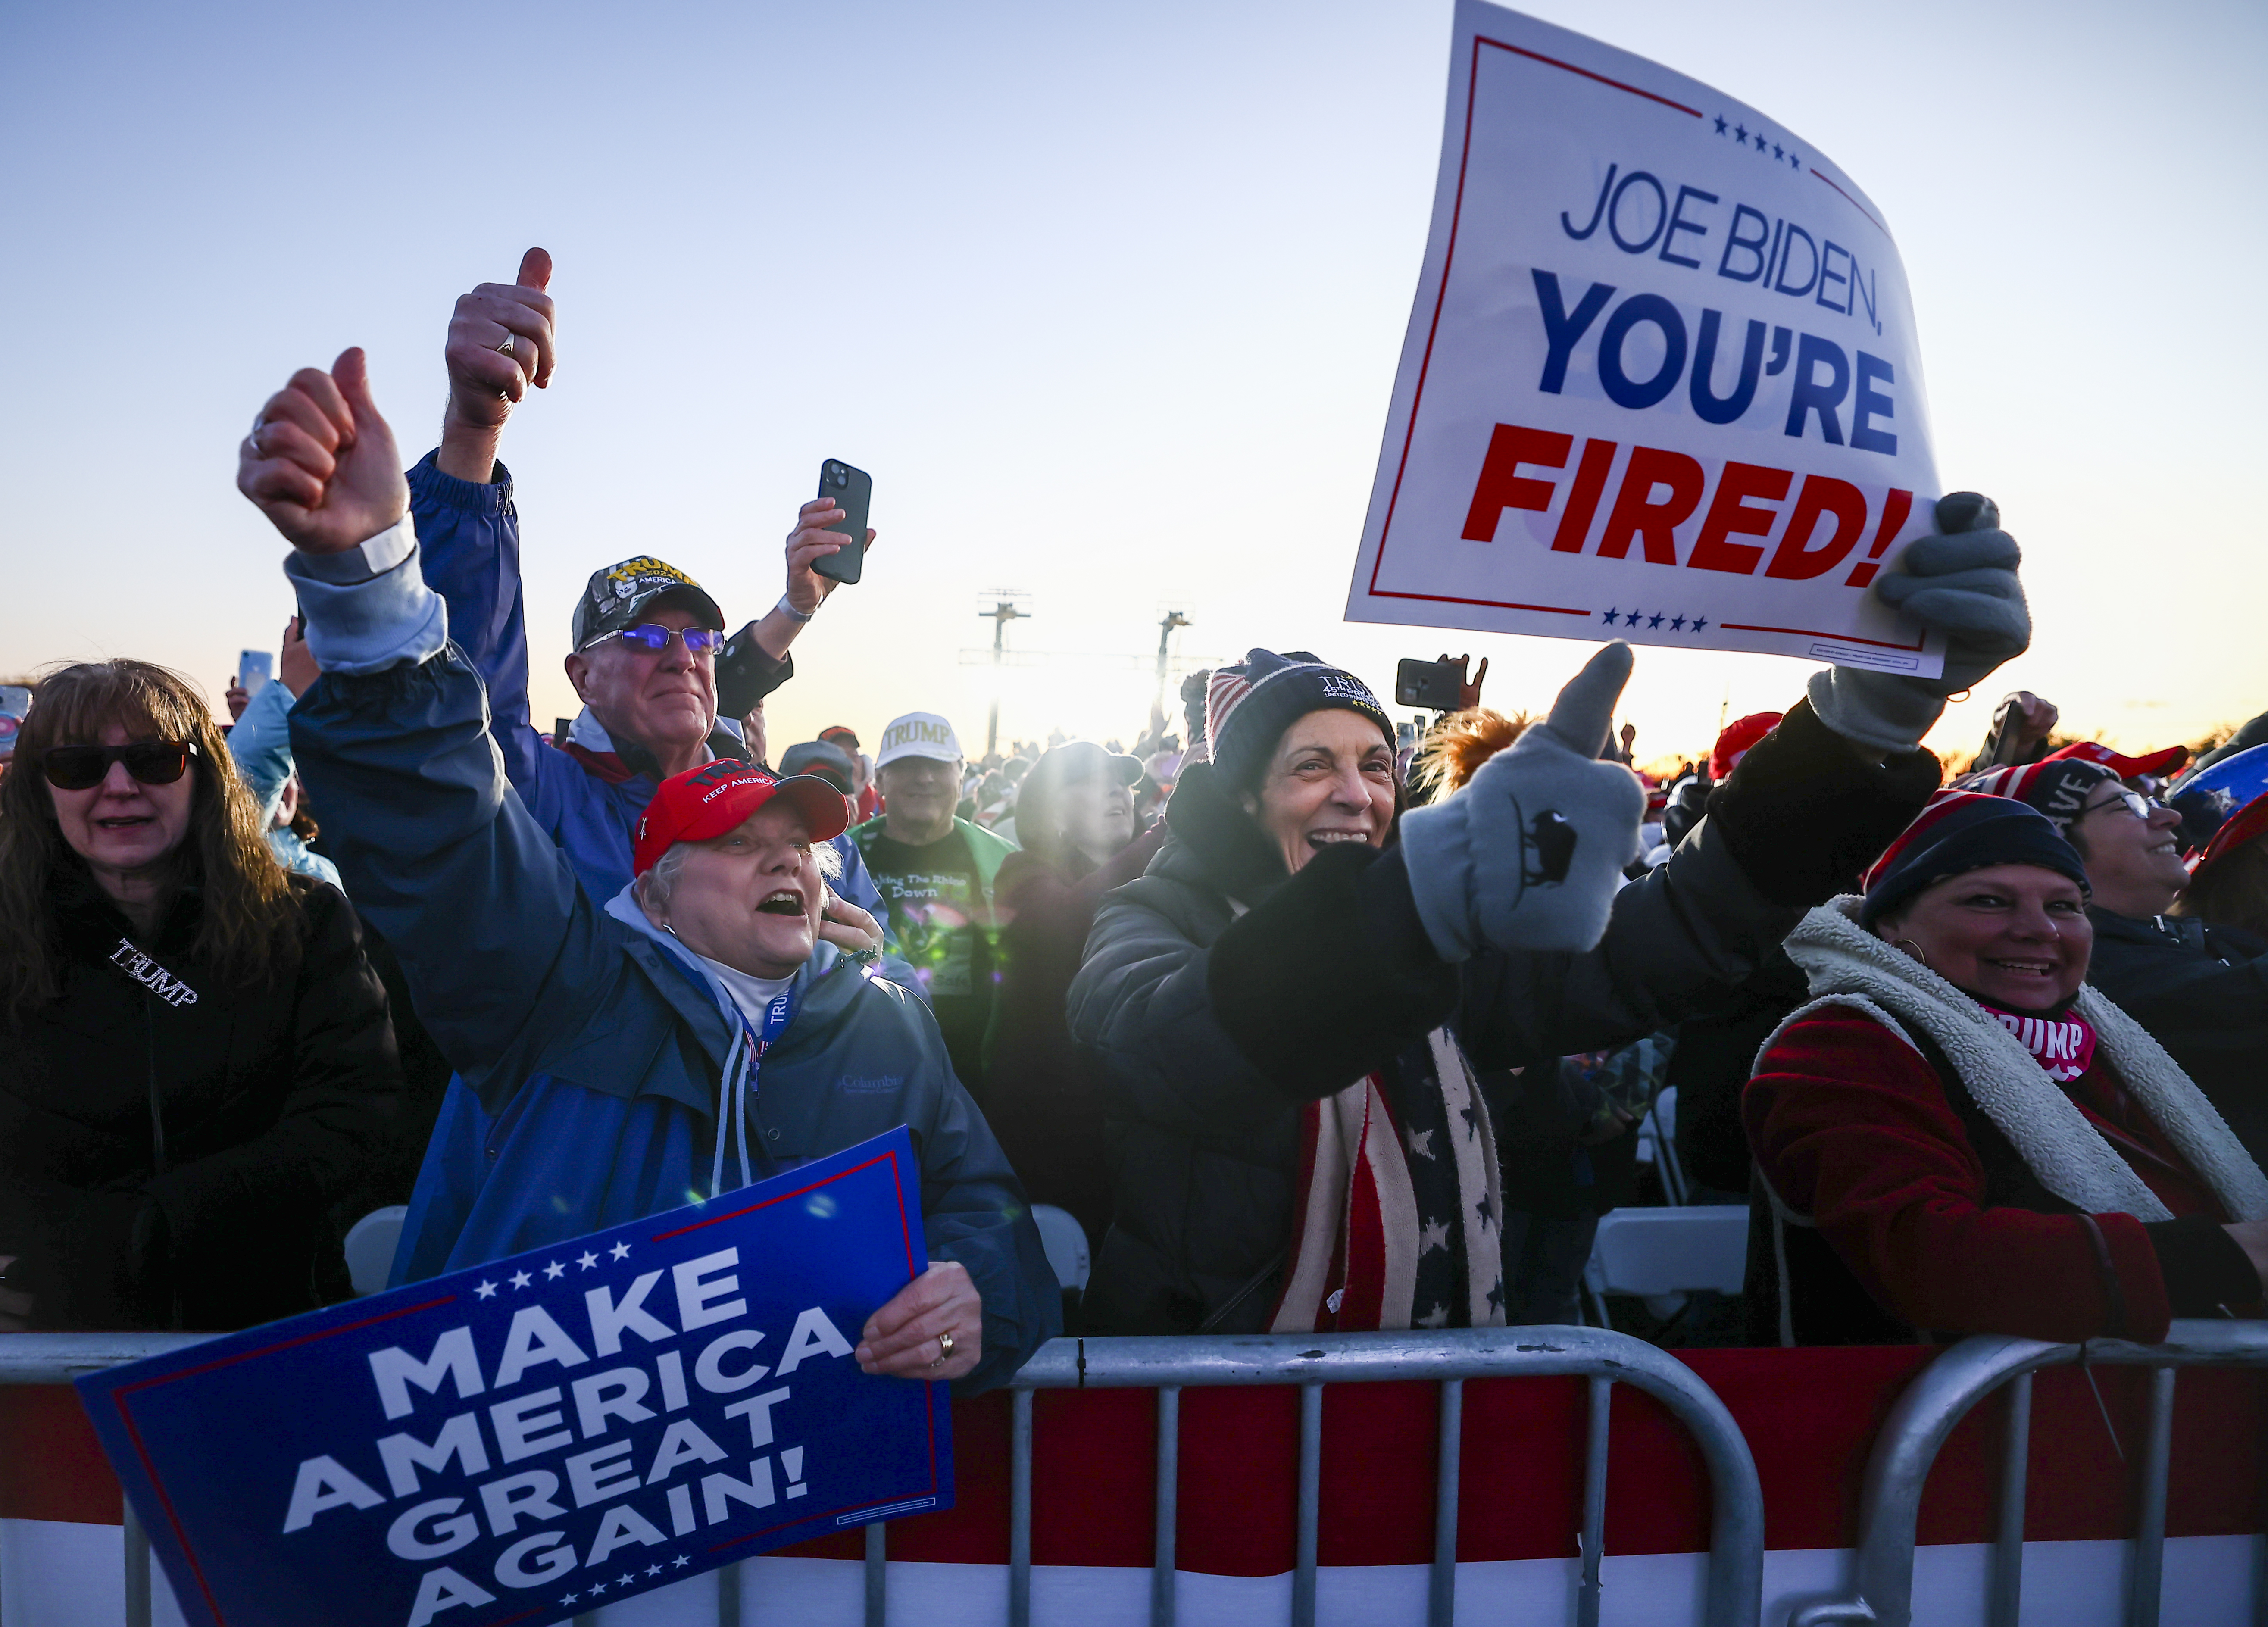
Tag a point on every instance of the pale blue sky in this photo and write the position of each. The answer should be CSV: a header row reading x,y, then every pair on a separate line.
x,y
1108,301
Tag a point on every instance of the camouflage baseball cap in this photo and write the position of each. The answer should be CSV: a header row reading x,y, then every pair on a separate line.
x,y
617,596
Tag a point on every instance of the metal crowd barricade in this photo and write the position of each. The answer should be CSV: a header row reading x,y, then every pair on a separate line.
x,y
1168,1366
1942,1394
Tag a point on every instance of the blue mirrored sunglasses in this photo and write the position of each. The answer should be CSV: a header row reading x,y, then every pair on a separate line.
x,y
698,640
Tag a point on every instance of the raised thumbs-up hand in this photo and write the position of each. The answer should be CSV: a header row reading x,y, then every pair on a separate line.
x,y
320,462
1530,854
500,344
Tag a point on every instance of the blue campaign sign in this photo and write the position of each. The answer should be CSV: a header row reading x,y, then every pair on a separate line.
x,y
547,1434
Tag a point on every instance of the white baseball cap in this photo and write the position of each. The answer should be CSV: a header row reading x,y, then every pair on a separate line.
x,y
918,734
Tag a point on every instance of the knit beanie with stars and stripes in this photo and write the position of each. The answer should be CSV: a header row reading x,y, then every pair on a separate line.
x,y
1249,706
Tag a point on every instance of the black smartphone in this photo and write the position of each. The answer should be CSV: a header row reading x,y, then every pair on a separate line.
x,y
853,492
1431,685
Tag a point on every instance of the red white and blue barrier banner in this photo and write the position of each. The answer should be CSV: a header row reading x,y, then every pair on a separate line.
x,y
1660,381
548,1433
1809,1416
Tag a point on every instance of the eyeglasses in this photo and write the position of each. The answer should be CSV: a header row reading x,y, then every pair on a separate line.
x,y
83,768
2139,805
697,640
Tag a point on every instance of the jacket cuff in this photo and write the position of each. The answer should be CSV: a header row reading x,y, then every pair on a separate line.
x,y
1331,977
431,488
1804,815
2204,1268
2134,1289
369,608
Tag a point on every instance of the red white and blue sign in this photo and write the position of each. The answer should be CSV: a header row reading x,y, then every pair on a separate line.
x,y
1661,380
548,1433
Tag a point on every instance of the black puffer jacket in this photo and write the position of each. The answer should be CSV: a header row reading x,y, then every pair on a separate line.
x,y
1214,1027
2202,992
167,1161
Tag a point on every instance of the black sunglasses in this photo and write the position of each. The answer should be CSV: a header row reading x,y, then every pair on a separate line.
x,y
83,768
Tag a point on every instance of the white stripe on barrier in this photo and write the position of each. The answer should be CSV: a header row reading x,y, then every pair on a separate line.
x,y
59,1575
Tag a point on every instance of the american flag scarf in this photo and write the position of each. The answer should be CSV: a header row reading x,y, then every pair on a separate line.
x,y
1396,1222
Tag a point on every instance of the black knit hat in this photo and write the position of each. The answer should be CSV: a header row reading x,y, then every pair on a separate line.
x,y
1248,706
1958,832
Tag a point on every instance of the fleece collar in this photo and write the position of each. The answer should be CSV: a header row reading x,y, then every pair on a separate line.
x,y
1848,966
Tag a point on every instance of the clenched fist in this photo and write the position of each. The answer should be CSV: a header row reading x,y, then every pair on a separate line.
x,y
500,342
320,462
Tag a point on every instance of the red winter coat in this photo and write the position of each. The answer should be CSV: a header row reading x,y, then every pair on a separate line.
x,y
1930,1221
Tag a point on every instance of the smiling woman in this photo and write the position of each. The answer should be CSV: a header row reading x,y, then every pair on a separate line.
x,y
196,1060
1957,1136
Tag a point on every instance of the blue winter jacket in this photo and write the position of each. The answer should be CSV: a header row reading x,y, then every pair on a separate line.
x,y
468,539
260,743
592,1049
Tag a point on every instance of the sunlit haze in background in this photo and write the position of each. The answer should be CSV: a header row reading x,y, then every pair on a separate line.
x,y
1108,300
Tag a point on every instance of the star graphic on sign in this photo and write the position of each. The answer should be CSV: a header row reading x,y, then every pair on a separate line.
x,y
598,1587
1677,624
1632,618
1654,620
486,1290
1472,1116
620,1251
1793,162
1482,1208
588,1260
680,1560
1720,124
1741,134
1436,1236
653,1569
1776,153
625,1582
1700,622
1438,1317
520,1280
1611,614
555,1271
1496,1294
569,1598
1421,1142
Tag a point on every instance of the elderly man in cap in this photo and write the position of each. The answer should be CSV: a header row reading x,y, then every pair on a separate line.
x,y
614,1046
937,872
649,655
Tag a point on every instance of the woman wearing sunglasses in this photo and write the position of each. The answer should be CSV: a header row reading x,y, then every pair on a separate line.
x,y
196,1062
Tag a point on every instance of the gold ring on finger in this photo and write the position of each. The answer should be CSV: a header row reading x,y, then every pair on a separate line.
x,y
505,348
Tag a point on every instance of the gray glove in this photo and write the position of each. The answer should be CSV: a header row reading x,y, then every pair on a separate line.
x,y
1962,582
1529,855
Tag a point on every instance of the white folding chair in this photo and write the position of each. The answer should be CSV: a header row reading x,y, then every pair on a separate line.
x,y
370,1247
1661,1256
1066,1241
1657,1145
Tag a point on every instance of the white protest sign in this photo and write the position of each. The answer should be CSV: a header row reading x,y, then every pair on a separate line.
x,y
1662,382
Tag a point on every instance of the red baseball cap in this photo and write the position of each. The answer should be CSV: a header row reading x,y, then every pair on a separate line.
x,y
711,800
2124,767
1739,736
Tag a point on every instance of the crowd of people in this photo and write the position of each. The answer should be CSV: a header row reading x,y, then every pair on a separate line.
x,y
1306,1027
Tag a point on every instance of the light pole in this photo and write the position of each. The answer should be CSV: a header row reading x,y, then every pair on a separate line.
x,y
1002,612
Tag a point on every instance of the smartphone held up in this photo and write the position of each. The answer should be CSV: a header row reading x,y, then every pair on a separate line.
x,y
851,491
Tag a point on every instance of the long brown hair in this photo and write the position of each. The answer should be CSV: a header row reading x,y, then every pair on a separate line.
x,y
249,932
